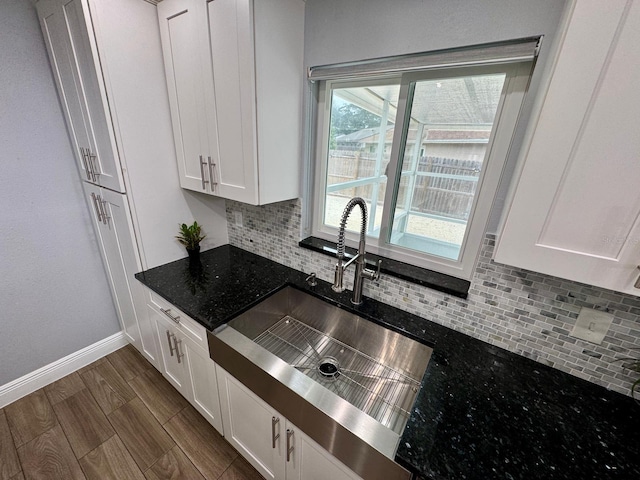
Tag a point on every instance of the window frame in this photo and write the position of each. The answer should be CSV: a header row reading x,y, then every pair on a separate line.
x,y
518,75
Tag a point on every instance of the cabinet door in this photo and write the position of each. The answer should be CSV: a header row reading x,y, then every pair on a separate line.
x,y
52,24
576,209
107,218
122,257
279,63
250,425
231,99
182,41
188,367
76,67
176,372
309,461
202,381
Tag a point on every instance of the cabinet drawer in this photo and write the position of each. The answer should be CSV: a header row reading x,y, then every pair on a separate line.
x,y
182,322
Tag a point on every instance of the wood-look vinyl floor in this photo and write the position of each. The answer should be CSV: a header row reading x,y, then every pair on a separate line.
x,y
116,419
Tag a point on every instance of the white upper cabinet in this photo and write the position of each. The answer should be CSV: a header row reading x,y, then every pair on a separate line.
x,y
576,209
235,76
107,60
182,51
77,72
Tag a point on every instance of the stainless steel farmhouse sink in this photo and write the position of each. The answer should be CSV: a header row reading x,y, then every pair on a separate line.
x,y
347,382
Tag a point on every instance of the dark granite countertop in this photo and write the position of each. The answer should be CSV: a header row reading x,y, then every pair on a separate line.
x,y
482,412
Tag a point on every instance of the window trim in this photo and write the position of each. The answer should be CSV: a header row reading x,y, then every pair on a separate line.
x,y
517,80
322,150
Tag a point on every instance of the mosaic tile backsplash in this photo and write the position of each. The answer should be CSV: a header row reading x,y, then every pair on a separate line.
x,y
527,313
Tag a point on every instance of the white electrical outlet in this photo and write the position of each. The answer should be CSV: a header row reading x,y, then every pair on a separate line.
x,y
592,325
238,218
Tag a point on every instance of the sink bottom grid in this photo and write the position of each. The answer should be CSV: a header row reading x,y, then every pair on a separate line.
x,y
379,391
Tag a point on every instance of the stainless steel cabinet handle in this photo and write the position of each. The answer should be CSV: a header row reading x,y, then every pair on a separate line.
x,y
274,436
84,162
637,284
103,207
176,344
289,446
88,165
169,335
91,160
211,175
97,208
166,312
204,181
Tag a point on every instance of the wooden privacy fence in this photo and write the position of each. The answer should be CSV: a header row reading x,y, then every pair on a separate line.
x,y
441,186
346,166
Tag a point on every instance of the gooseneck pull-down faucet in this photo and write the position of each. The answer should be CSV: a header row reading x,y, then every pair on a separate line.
x,y
361,271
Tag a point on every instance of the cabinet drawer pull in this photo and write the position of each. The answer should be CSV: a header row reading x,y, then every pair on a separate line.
x,y
274,436
166,311
169,335
289,446
176,345
204,181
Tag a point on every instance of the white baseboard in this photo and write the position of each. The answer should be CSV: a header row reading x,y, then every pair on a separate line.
x,y
37,379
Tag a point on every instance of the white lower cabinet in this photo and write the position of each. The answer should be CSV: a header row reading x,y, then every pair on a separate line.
x,y
254,428
264,437
115,236
267,440
175,365
309,461
186,364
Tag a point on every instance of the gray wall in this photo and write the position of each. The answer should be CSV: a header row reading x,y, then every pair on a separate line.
x,y
54,296
340,31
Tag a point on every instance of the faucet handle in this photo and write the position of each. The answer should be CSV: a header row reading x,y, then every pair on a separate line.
x,y
373,274
376,275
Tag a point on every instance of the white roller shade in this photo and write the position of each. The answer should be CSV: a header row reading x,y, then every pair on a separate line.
x,y
504,52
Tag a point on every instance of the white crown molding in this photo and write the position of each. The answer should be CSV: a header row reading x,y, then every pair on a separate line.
x,y
37,379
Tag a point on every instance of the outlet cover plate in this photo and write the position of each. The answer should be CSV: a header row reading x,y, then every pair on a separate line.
x,y
592,325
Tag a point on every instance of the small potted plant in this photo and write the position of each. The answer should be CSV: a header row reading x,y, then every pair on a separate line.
x,y
190,236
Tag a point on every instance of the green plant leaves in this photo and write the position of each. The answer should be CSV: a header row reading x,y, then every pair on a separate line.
x,y
190,235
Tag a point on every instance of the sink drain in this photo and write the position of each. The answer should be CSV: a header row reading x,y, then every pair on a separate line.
x,y
329,368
